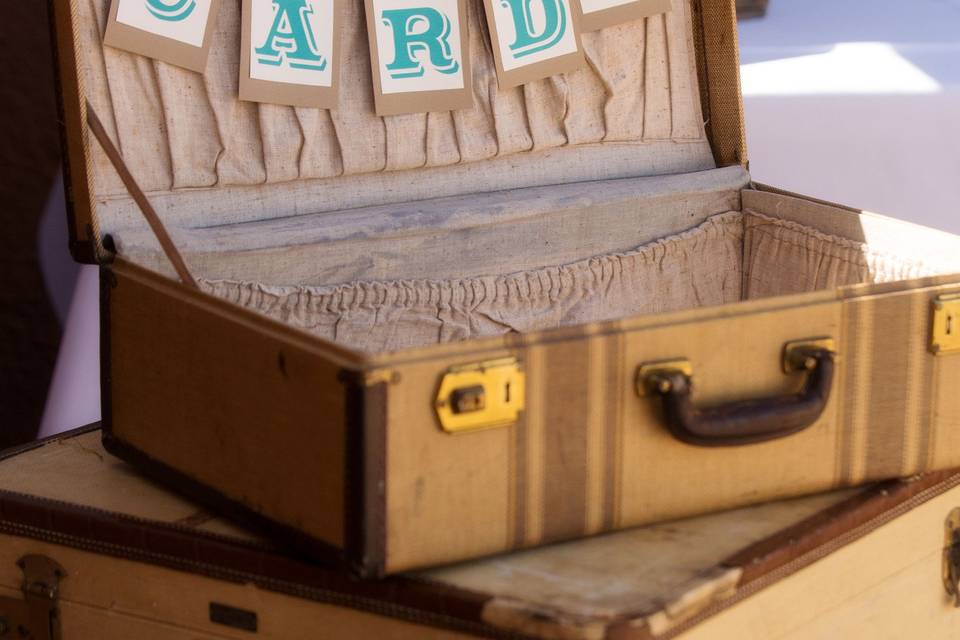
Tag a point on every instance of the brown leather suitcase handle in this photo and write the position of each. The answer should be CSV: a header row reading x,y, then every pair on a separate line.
x,y
748,421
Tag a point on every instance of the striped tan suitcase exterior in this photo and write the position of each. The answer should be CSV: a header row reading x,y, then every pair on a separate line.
x,y
822,341
89,549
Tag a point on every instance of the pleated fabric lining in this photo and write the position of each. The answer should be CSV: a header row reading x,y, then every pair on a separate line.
x,y
730,257
783,258
179,129
390,315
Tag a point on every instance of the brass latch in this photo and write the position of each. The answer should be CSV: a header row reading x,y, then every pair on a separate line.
x,y
480,395
945,331
951,556
36,616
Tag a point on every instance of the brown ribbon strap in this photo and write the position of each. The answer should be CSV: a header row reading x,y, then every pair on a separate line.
x,y
156,225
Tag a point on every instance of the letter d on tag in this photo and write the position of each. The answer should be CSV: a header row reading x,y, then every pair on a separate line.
x,y
289,52
418,55
533,39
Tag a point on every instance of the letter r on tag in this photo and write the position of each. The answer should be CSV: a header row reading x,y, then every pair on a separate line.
x,y
418,55
422,29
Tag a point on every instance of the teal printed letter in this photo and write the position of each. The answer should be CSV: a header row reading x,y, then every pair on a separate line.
x,y
171,10
291,38
529,41
414,30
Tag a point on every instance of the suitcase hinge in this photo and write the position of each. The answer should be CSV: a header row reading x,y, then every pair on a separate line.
x,y
36,616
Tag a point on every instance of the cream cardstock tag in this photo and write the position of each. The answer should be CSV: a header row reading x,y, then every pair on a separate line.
x,y
290,52
417,55
533,39
597,14
174,31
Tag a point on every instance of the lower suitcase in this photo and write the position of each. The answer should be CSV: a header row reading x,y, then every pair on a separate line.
x,y
88,549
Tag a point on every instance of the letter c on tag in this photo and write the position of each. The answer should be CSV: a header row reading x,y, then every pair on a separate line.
x,y
171,10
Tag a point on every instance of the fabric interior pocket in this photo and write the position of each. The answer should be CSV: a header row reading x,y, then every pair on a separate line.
x,y
699,267
730,257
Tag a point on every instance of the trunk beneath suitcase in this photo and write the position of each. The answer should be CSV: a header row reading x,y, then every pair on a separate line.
x,y
135,559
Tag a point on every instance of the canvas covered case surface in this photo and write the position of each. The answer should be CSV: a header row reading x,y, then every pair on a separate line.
x,y
558,240
89,548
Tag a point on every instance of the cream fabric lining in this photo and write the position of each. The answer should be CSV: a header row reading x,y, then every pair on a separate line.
x,y
783,257
178,129
730,257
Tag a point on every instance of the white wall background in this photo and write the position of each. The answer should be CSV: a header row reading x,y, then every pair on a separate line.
x,y
858,101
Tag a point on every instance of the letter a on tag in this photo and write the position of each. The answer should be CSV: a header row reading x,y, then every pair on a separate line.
x,y
175,31
418,55
597,14
289,52
533,39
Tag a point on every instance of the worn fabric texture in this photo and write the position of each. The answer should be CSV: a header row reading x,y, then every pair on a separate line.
x,y
731,257
783,257
698,267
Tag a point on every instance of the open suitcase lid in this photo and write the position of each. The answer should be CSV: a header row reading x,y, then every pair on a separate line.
x,y
651,582
205,158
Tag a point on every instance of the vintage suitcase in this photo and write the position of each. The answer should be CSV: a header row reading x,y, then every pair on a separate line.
x,y
425,338
105,554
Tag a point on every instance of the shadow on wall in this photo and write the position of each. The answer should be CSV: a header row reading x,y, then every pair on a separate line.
x,y
29,156
918,31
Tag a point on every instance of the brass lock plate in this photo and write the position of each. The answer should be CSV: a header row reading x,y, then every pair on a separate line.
x,y
480,395
945,332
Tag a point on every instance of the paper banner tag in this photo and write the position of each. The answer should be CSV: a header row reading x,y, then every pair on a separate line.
x,y
290,52
597,14
417,55
175,31
533,39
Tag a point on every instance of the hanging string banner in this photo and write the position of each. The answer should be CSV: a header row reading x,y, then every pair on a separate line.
x,y
174,31
290,49
289,52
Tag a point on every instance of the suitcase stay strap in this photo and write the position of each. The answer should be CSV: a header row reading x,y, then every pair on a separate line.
x,y
149,213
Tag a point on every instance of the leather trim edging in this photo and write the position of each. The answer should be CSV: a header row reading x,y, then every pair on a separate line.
x,y
72,148
365,482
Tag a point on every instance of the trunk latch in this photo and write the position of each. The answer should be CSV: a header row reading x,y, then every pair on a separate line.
x,y
951,556
35,616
